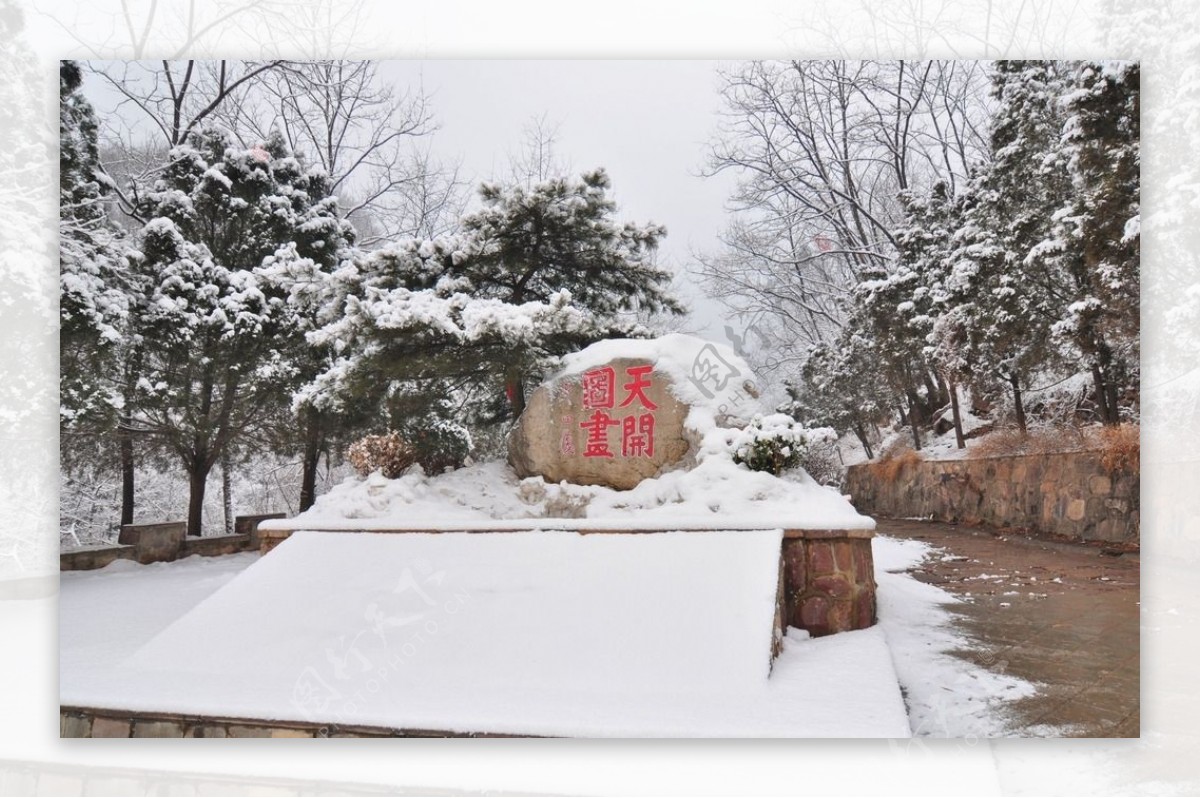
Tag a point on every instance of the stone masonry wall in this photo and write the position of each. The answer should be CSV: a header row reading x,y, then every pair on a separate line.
x,y
828,583
1069,494
90,722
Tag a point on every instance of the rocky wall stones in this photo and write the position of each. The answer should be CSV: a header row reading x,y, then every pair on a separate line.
x,y
1068,494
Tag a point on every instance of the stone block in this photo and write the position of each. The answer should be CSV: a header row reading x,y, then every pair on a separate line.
x,y
74,725
814,615
843,555
241,730
864,611
155,542
1076,509
795,567
835,586
1099,485
205,730
840,617
110,727
820,557
291,733
157,728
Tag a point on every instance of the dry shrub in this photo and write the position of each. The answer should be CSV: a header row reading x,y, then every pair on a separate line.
x,y
1120,448
1000,443
1011,441
893,460
389,453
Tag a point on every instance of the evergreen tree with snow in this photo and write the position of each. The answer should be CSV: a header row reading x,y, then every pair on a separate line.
x,y
442,331
1005,309
97,297
1095,243
218,332
561,235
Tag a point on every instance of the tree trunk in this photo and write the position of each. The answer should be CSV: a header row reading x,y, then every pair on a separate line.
x,y
127,472
1101,394
861,434
914,422
934,399
515,389
958,431
1018,403
1108,389
312,458
197,479
227,490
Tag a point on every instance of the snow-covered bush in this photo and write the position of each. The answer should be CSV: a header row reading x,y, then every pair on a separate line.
x,y
389,454
778,443
441,445
436,446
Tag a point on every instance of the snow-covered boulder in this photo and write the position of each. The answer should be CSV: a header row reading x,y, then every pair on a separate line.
x,y
626,410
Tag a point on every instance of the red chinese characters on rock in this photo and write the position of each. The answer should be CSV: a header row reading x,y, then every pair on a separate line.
x,y
599,395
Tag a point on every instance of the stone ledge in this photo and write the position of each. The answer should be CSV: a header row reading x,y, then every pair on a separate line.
x,y
82,722
89,558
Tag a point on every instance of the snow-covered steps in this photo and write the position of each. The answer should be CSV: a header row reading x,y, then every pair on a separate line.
x,y
539,633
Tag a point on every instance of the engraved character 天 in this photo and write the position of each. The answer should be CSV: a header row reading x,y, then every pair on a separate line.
x,y
637,385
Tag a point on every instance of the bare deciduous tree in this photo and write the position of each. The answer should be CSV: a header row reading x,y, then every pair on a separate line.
x,y
342,115
822,150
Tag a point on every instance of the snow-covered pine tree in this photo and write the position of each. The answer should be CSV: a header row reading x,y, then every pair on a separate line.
x,y
1095,242
839,387
924,243
219,334
97,295
532,243
1005,308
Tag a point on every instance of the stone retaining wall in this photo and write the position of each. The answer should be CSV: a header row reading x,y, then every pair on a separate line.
x,y
164,542
1067,494
91,722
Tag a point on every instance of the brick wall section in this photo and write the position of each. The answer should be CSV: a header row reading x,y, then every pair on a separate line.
x,y
1068,494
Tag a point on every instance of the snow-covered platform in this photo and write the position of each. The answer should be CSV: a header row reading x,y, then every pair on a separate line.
x,y
540,633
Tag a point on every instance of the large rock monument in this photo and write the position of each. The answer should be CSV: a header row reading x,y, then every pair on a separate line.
x,y
618,420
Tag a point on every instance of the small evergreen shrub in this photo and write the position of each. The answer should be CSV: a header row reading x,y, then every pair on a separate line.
x,y
440,445
778,443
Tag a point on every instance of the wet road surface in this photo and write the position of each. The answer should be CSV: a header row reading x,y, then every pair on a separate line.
x,y
1062,615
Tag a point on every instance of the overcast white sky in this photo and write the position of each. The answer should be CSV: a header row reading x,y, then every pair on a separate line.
x,y
646,122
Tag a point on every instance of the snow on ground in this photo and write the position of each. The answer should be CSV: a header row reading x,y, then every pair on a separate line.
x,y
716,494
536,633
105,615
946,695
335,629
